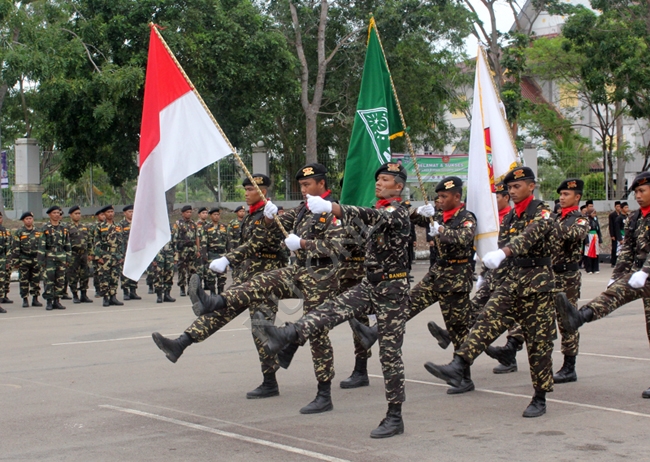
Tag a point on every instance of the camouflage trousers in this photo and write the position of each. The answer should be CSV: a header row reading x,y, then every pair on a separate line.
x,y
213,281
79,272
455,307
126,282
5,277
108,275
150,271
162,272
535,313
29,276
478,302
54,278
186,267
359,351
569,283
389,300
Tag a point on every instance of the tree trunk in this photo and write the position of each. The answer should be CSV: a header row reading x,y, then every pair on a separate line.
x,y
620,155
311,151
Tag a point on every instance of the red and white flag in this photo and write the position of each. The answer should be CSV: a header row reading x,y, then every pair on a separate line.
x,y
177,138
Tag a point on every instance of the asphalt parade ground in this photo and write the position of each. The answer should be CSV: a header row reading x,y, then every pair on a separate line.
x,y
89,384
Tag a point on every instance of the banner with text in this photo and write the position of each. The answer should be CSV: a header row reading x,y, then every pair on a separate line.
x,y
434,167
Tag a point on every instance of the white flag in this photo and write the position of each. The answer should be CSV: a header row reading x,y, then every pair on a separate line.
x,y
491,155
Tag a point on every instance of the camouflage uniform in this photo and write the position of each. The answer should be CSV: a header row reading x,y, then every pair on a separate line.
x,y
449,281
127,284
523,294
81,245
108,247
187,239
235,228
216,242
384,291
312,278
54,257
93,265
163,270
25,253
5,261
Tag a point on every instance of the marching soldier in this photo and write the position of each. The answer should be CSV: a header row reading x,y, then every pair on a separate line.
x,y
5,264
524,293
129,286
81,245
24,257
162,270
188,247
629,278
202,224
108,257
235,228
53,257
216,240
100,217
384,290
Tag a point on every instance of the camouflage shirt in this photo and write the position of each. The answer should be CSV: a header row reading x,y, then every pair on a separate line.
x,y
216,237
635,247
234,233
186,235
351,262
572,230
5,244
107,241
126,232
25,243
257,242
54,243
80,238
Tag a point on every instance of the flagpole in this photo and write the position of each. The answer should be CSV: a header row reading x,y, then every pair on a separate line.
x,y
155,27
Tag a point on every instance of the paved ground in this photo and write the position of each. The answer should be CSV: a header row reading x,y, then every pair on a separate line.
x,y
88,384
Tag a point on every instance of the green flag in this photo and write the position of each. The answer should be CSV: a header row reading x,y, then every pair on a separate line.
x,y
376,122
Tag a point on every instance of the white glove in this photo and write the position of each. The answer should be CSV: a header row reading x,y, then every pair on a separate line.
x,y
638,279
426,210
610,282
293,242
219,265
270,210
318,205
433,229
493,259
479,282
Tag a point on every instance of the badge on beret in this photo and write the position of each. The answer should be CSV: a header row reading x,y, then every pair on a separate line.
x,y
518,174
308,171
258,180
641,181
572,185
449,184
499,187
392,167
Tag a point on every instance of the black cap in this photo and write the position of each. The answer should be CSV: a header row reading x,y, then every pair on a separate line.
x,y
314,170
202,209
74,208
26,214
214,210
451,182
127,208
239,207
617,203
571,184
104,209
641,179
259,179
53,208
186,208
518,174
391,168
624,204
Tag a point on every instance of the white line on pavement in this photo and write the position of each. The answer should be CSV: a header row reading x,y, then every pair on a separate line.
x,y
132,338
611,356
236,436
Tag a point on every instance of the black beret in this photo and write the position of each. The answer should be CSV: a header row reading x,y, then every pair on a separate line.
x,y
624,204
451,182
74,208
53,208
259,179
391,168
104,209
26,214
202,209
214,210
280,207
571,184
314,170
240,207
186,208
518,174
641,179
127,208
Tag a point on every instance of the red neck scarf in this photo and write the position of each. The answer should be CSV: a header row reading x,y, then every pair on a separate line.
x,y
323,196
503,212
568,210
446,215
381,203
255,207
645,210
521,206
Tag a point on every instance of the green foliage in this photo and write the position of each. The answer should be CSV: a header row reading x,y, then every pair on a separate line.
x,y
595,183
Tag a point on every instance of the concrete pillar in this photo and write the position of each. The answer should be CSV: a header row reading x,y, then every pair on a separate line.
x,y
260,159
28,192
530,160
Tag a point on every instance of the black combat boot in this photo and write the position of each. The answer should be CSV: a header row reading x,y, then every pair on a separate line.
x,y
367,335
359,377
126,294
537,406
466,384
49,306
268,388
159,298
323,400
503,369
114,301
66,296
25,303
506,355
392,424
285,355
568,371
167,297
75,297
2,310
646,394
183,291
173,349
150,292
277,337
6,300
570,317
57,305
452,373
35,301
440,334
133,295
84,297
203,303
107,301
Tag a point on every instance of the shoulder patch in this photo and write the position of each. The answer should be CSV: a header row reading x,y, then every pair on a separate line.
x,y
581,221
390,208
468,224
322,219
257,222
546,214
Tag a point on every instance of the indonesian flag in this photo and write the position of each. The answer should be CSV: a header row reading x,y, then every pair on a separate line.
x,y
491,155
177,138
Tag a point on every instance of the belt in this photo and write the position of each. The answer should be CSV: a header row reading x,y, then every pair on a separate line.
x,y
268,256
318,262
457,261
378,277
564,267
531,262
355,259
